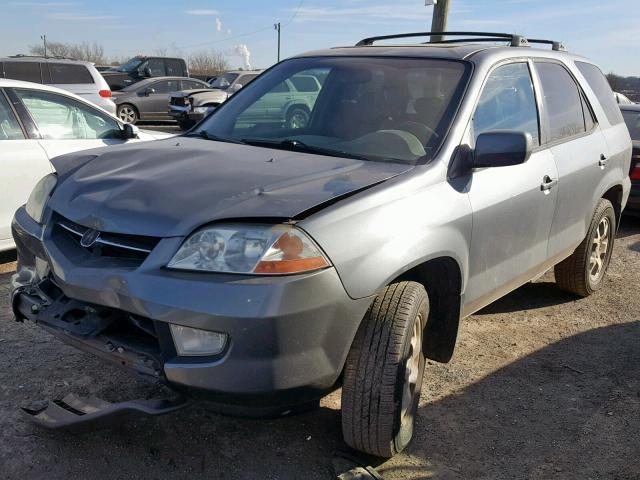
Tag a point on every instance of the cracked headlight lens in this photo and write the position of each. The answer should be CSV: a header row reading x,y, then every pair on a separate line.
x,y
258,249
40,196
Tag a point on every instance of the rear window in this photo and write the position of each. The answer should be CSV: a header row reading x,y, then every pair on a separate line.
x,y
65,73
600,86
27,71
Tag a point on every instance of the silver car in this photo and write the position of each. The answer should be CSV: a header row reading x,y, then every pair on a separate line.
x,y
261,265
147,99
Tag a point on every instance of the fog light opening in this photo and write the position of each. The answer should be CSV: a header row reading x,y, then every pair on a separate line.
x,y
196,342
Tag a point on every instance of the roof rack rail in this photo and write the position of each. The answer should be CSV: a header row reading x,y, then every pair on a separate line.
x,y
55,57
514,40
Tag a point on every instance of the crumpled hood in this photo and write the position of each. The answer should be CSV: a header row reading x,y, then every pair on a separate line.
x,y
171,187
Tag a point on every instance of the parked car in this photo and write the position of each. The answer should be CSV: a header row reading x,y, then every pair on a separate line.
x,y
191,105
622,99
139,68
147,100
74,76
631,115
263,266
38,123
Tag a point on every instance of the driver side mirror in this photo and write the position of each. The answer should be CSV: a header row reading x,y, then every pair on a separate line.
x,y
129,131
235,87
144,72
502,148
148,91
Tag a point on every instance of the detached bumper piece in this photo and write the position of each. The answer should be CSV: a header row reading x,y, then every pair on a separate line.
x,y
75,414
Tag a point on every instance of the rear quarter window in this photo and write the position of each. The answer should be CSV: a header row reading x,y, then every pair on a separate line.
x,y
26,71
175,68
600,86
63,73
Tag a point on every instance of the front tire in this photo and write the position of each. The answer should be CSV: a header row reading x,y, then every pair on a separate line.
x,y
582,273
127,113
383,372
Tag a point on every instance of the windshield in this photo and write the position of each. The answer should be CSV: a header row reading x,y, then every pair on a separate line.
x,y
224,80
632,119
374,108
131,65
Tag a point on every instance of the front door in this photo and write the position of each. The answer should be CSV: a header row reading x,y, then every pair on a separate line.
x,y
156,104
512,210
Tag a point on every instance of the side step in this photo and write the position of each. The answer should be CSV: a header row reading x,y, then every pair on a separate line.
x,y
75,413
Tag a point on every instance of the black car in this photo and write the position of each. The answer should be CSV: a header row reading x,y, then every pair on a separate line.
x,y
139,68
631,115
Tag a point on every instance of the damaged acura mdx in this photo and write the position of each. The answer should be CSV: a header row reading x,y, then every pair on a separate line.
x,y
260,264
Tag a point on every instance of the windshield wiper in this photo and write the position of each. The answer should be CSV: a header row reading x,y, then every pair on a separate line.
x,y
298,146
207,136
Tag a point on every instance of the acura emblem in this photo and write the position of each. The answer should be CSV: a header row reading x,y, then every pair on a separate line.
x,y
89,238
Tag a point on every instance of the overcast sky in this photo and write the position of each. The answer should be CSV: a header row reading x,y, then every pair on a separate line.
x,y
607,31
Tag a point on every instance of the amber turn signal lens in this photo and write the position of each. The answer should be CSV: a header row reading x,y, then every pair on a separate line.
x,y
291,266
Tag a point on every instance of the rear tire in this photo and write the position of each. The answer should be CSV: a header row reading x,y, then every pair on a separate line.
x,y
186,124
298,117
127,113
383,372
582,273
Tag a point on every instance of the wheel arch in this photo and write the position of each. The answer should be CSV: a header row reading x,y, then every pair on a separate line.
x,y
614,195
442,279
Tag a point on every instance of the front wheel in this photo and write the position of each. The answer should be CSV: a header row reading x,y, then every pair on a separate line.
x,y
127,113
383,372
583,271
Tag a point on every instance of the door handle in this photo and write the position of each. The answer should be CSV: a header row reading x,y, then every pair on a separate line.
x,y
548,183
603,160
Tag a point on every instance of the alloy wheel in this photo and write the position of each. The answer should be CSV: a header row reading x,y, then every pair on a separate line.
x,y
599,250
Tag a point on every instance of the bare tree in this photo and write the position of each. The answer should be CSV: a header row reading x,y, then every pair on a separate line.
x,y
208,62
89,52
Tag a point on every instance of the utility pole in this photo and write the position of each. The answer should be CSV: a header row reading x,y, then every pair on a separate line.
x,y
44,40
440,17
277,27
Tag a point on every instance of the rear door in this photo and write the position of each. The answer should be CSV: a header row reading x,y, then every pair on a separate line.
x,y
578,146
22,162
66,125
512,211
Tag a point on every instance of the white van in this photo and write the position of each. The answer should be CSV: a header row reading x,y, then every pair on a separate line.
x,y
75,76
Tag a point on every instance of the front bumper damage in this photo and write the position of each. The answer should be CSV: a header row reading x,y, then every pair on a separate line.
x,y
288,336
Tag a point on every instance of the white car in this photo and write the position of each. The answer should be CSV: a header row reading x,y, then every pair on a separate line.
x,y
75,76
37,123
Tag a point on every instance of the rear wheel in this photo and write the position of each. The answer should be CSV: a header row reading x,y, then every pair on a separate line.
x,y
298,117
383,372
186,124
583,271
127,113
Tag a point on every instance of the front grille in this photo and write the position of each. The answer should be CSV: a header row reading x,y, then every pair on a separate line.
x,y
109,245
179,101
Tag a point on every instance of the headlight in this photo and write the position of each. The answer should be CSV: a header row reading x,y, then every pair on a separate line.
x,y
203,110
40,196
193,341
261,249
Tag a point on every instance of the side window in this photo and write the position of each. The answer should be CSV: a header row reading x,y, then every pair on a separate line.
x,y
174,68
600,86
190,84
156,66
305,83
62,118
245,79
562,101
9,126
166,86
508,102
27,71
65,73
280,88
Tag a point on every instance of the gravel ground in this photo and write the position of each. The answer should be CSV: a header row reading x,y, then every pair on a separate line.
x,y
543,385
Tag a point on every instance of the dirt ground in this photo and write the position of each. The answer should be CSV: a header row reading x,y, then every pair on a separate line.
x,y
542,385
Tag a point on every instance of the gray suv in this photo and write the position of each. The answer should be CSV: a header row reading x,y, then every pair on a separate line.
x,y
261,265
